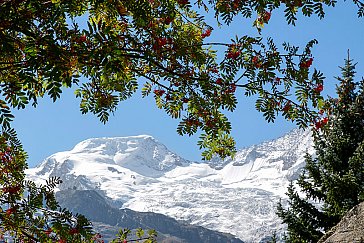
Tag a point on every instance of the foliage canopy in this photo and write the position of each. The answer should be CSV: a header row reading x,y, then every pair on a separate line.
x,y
162,47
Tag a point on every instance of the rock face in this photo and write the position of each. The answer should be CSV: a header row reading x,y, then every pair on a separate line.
x,y
349,229
108,220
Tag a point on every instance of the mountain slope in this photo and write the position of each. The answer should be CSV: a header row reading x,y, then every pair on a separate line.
x,y
237,196
97,209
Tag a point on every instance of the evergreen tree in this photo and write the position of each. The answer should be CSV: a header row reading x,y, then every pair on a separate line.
x,y
334,177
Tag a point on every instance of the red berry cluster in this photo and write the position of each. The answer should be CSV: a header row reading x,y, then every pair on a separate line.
x,y
287,107
11,189
192,122
183,2
232,88
319,88
162,41
236,4
158,92
48,231
219,81
266,16
167,20
214,70
293,3
256,62
321,123
81,39
11,211
206,33
233,54
6,156
307,63
168,97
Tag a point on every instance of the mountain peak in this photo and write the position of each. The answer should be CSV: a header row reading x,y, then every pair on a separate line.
x,y
141,154
112,143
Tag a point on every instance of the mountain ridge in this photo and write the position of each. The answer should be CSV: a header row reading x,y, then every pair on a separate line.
x,y
141,174
107,220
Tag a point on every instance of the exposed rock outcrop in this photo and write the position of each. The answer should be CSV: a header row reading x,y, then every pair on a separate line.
x,y
108,220
349,229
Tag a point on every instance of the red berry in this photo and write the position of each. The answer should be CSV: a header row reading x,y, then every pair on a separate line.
x,y
233,55
306,64
161,41
236,54
232,88
11,190
318,125
10,211
236,4
183,2
325,120
82,38
219,81
48,231
207,33
168,20
287,107
319,88
321,123
215,70
159,92
255,60
266,16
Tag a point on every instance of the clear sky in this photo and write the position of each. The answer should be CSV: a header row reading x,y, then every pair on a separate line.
x,y
54,127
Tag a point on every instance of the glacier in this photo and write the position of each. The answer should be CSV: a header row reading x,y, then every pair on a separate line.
x,y
237,195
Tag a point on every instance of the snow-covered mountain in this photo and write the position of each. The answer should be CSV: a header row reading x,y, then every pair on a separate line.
x,y
238,196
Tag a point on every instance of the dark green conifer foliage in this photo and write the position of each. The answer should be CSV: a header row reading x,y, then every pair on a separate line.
x,y
334,177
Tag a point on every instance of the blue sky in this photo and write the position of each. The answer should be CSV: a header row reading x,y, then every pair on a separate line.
x,y
54,127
